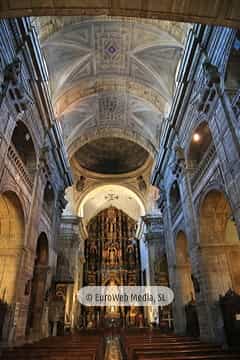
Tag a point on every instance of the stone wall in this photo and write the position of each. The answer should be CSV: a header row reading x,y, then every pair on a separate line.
x,y
25,215
201,97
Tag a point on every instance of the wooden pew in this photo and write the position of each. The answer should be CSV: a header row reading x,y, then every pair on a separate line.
x,y
76,347
154,345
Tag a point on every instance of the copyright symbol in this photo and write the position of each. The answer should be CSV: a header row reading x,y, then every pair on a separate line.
x,y
89,297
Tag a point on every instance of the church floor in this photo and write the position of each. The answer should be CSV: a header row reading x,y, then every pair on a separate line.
x,y
137,344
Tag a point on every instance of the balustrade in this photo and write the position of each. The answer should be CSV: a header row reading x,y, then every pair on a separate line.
x,y
197,172
176,212
20,167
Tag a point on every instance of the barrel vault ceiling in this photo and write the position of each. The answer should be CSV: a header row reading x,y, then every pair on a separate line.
x,y
111,78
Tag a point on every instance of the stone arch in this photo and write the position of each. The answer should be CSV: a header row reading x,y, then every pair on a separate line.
x,y
219,255
219,241
12,234
232,74
38,287
213,186
105,187
92,134
9,186
24,146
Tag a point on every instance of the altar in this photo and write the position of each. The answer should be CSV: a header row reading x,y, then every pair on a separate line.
x,y
112,259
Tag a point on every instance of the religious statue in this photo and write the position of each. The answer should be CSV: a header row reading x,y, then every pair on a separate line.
x,y
112,256
90,319
132,316
92,255
113,310
140,320
131,255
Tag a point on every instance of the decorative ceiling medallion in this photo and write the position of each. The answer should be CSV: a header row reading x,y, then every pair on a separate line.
x,y
111,48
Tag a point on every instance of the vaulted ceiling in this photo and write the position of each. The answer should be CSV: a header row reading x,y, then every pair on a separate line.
x,y
111,195
111,77
111,82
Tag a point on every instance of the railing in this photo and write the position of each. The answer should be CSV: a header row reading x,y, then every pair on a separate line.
x,y
175,212
236,103
236,110
15,159
198,172
48,211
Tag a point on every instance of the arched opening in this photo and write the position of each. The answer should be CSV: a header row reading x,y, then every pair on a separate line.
x,y
186,320
220,245
48,199
232,75
220,254
201,147
38,288
11,243
120,196
175,201
23,144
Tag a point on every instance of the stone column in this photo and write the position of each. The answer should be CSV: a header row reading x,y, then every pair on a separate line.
x,y
154,241
192,233
27,259
164,206
69,269
41,273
